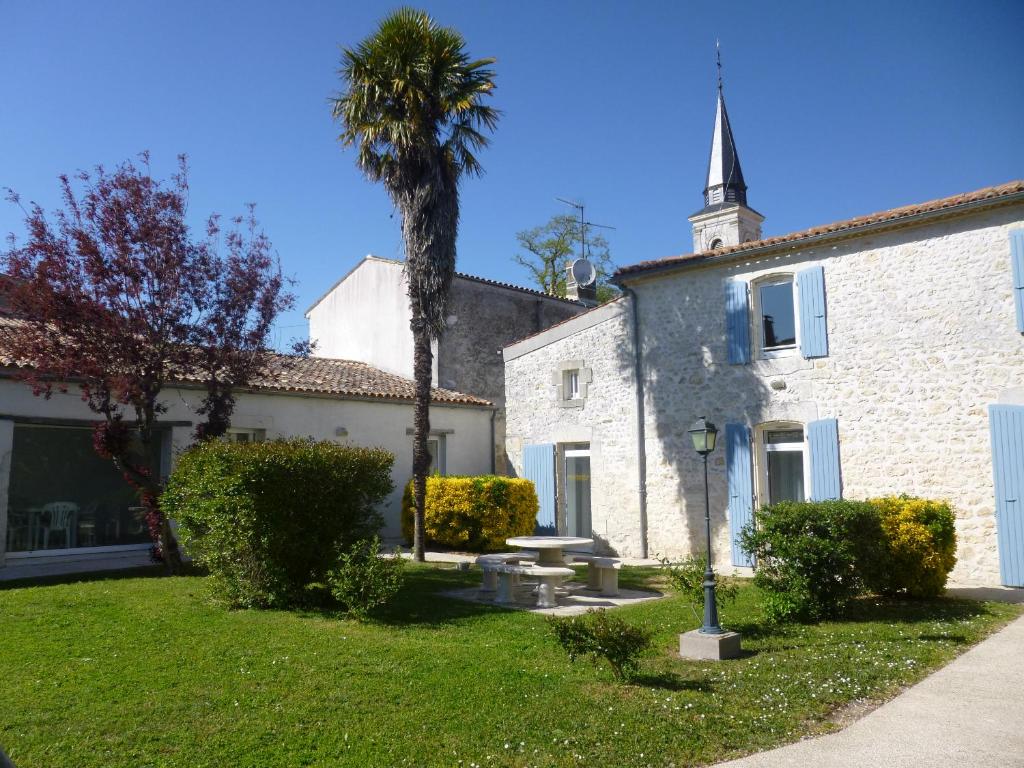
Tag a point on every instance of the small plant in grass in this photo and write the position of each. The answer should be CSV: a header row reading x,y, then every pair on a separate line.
x,y
363,580
598,635
687,578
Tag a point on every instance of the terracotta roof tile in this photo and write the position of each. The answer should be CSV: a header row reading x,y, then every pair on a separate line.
x,y
891,215
314,375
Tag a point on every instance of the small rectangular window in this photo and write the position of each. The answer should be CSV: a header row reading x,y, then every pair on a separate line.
x,y
778,318
238,435
435,447
572,385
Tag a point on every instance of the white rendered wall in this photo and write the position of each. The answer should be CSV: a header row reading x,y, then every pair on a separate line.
x,y
368,423
366,317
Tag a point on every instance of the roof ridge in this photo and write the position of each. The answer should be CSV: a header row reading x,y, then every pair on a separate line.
x,y
888,215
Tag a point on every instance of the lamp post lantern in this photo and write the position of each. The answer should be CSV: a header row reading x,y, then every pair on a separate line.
x,y
704,435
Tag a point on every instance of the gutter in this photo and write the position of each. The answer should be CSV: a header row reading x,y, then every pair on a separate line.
x,y
494,448
641,437
710,258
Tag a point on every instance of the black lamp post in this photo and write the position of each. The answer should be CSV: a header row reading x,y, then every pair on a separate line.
x,y
704,433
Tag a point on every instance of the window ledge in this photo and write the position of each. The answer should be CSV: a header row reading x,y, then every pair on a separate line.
x,y
771,354
571,403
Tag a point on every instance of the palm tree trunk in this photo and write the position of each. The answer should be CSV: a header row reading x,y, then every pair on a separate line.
x,y
423,359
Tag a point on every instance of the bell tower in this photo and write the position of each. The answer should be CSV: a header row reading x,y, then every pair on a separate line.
x,y
725,219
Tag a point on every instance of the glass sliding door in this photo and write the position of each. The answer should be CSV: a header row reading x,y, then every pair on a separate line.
x,y
577,492
64,496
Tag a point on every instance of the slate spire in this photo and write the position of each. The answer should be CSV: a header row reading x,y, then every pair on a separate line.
x,y
725,177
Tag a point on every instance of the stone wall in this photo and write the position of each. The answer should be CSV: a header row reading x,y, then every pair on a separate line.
x,y
921,338
606,419
483,318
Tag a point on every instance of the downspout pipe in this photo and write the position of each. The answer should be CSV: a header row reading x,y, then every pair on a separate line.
x,y
641,438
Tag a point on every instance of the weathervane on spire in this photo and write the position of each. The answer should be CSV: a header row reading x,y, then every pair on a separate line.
x,y
718,62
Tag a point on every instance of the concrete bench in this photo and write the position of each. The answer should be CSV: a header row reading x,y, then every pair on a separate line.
x,y
602,573
488,563
548,579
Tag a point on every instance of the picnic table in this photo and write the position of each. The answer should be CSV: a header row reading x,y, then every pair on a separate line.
x,y
549,548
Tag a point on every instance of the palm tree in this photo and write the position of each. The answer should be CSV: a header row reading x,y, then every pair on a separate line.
x,y
413,106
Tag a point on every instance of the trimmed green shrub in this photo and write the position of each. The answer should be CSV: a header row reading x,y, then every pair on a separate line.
x,y
812,557
598,635
687,577
473,513
918,549
269,519
363,580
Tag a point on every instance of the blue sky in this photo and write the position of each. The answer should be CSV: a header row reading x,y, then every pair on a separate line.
x,y
839,109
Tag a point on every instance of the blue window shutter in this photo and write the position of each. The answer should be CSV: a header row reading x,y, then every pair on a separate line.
x,y
823,445
739,469
539,466
1017,260
737,321
1007,429
810,287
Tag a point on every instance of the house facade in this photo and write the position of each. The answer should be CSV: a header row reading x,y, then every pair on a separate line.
x,y
60,503
879,355
365,316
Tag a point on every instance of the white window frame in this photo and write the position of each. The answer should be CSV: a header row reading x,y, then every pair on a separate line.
x,y
571,386
789,350
764,448
254,435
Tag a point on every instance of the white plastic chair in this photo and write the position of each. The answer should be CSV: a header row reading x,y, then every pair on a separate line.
x,y
62,516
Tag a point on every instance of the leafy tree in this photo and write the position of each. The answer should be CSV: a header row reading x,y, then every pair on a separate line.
x,y
114,295
413,105
551,247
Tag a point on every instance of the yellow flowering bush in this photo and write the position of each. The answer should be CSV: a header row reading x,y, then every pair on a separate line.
x,y
473,513
919,546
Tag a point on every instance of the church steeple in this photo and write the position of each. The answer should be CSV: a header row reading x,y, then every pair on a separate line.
x,y
725,177
725,218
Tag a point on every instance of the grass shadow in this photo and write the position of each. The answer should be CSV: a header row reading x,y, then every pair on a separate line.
x,y
670,681
153,571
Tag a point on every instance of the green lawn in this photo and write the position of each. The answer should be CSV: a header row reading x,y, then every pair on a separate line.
x,y
134,672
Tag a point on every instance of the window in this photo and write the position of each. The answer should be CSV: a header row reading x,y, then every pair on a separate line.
x,y
783,463
572,384
237,435
64,496
715,244
570,380
777,315
435,447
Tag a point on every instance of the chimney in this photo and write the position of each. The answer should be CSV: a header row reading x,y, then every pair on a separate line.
x,y
584,294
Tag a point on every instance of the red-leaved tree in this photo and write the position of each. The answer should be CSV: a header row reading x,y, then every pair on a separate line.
x,y
112,293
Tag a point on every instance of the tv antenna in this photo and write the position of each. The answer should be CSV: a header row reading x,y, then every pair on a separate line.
x,y
583,224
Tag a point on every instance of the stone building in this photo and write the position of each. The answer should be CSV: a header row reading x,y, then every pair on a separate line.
x,y
365,316
879,355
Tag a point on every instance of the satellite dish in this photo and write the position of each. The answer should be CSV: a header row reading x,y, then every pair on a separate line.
x,y
583,273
